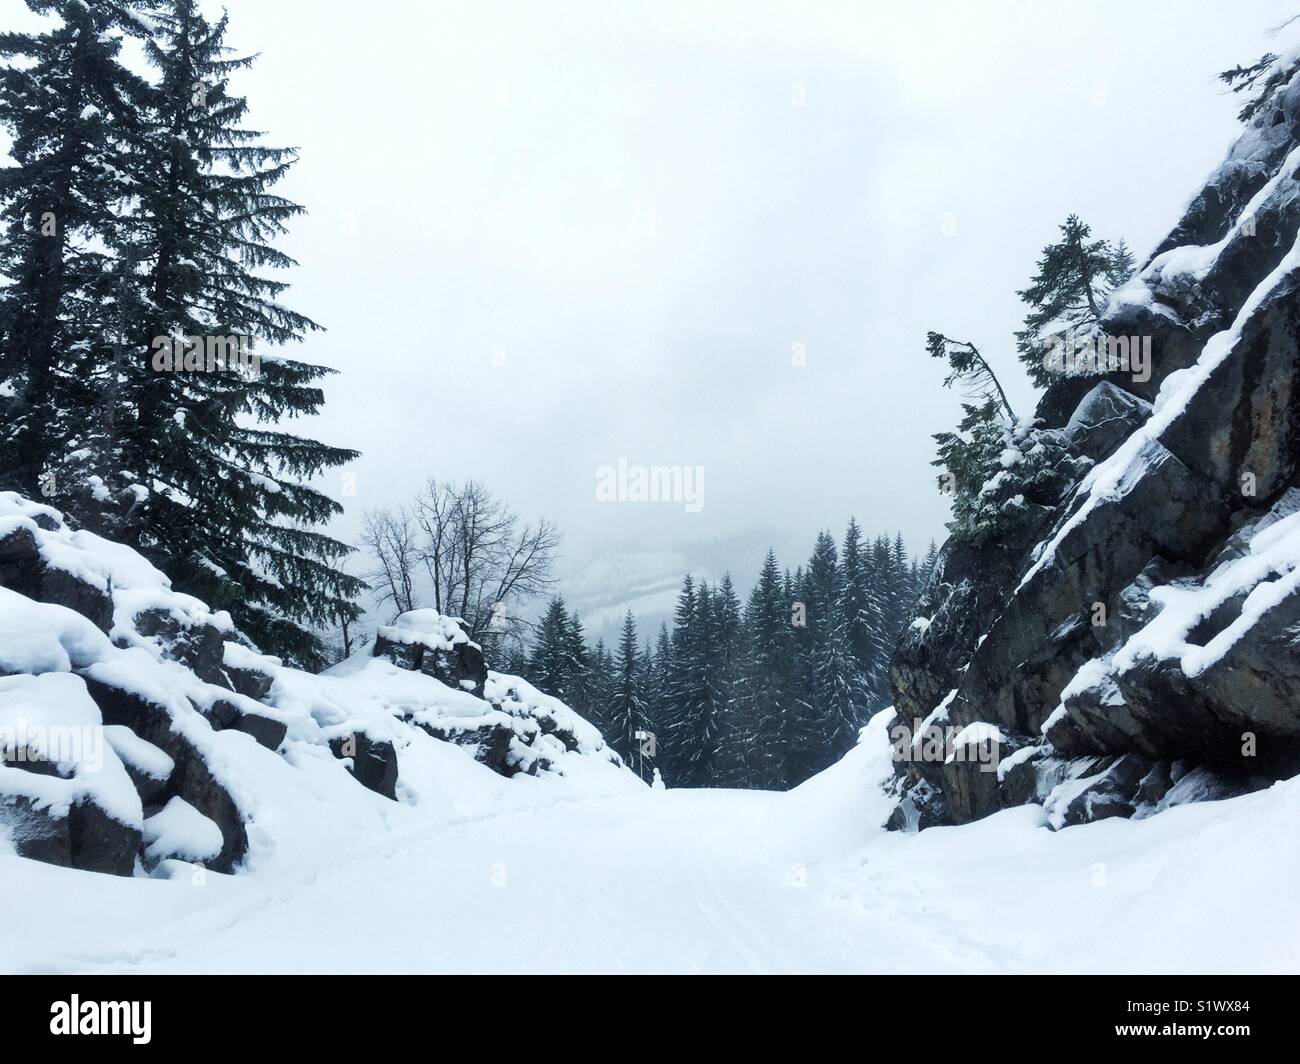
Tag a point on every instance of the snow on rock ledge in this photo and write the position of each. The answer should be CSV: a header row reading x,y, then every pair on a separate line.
x,y
1140,646
427,641
138,731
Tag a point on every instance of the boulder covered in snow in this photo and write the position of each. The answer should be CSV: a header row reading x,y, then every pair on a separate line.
x,y
26,569
64,792
435,645
140,733
1140,645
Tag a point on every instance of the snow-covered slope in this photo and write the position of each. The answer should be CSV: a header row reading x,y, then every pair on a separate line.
x,y
535,878
412,811
138,734
1138,646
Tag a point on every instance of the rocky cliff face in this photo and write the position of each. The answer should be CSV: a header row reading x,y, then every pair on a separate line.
x,y
1137,645
137,730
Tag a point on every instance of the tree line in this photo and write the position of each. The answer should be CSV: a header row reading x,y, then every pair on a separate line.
x,y
763,694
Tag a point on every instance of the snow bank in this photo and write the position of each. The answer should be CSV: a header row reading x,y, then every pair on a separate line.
x,y
700,881
214,753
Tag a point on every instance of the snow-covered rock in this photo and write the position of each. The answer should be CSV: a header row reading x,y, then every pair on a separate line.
x,y
435,645
1145,631
137,729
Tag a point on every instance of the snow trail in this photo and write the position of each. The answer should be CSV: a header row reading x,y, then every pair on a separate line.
x,y
707,881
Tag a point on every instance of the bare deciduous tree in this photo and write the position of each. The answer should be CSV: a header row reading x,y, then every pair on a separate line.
x,y
435,510
479,558
391,541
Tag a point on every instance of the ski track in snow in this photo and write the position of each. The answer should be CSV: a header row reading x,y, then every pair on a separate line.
x,y
707,881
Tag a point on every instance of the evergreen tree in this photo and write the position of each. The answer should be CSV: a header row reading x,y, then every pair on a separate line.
x,y
895,606
628,714
759,735
969,459
999,473
821,590
517,663
798,737
658,670
582,680
646,750
1066,298
607,682
863,617
702,740
735,732
693,723
971,373
1259,81
678,685
602,681
550,667
930,564
158,255
906,585
1122,265
837,696
996,468
229,514
76,117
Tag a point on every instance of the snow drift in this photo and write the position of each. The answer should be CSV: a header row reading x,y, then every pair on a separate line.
x,y
497,875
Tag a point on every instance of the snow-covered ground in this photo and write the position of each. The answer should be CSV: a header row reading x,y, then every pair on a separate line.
x,y
593,875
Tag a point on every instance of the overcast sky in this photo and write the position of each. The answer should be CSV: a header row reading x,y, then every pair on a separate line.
x,y
639,209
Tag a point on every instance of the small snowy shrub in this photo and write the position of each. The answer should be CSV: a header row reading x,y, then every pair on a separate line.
x,y
1000,472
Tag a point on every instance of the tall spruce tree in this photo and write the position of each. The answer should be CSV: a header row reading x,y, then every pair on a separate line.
x,y
863,617
162,252
930,563
658,671
759,734
550,665
77,118
693,723
604,683
582,677
628,715
706,724
886,581
228,513
798,738
679,691
904,591
837,697
645,750
735,732
1067,296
